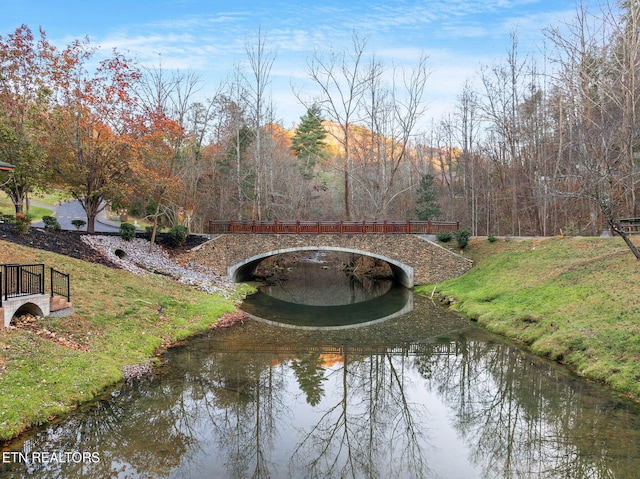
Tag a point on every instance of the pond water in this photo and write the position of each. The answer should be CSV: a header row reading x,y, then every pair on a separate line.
x,y
422,394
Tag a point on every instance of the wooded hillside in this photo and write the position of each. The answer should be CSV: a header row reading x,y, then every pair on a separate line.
x,y
540,147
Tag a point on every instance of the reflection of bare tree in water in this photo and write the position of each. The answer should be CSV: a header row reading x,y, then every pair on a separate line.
x,y
516,425
370,430
149,443
248,407
169,424
220,413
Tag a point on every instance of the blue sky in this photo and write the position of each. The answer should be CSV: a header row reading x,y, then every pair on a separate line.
x,y
209,37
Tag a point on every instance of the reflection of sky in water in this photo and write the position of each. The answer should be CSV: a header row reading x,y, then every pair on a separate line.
x,y
298,421
424,395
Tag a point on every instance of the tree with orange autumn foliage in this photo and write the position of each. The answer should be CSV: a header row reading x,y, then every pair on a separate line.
x,y
170,171
156,173
95,137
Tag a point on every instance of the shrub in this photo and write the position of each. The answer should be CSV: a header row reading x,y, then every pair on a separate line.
x,y
148,231
127,231
177,235
51,223
462,237
444,237
22,223
491,238
78,224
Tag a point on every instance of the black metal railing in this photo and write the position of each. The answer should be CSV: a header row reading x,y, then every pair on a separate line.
x,y
22,280
60,284
26,279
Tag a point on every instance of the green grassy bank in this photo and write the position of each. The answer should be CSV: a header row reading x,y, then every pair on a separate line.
x,y
37,212
574,300
116,323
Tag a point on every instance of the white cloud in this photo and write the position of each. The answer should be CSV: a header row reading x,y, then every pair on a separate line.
x,y
457,35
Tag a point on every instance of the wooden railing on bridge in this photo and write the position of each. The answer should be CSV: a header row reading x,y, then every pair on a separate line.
x,y
630,225
403,348
332,227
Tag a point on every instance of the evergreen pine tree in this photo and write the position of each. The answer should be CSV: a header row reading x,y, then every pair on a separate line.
x,y
308,141
427,200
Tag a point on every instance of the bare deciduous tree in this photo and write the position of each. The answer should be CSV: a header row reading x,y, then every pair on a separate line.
x,y
341,82
597,77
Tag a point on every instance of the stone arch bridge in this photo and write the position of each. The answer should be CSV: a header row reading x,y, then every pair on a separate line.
x,y
413,258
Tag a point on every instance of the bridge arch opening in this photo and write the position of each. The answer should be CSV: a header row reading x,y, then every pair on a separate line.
x,y
27,308
243,270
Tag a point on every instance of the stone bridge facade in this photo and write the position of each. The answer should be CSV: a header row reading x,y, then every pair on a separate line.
x,y
413,258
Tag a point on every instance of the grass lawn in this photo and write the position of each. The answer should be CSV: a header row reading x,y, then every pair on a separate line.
x,y
574,300
36,211
116,321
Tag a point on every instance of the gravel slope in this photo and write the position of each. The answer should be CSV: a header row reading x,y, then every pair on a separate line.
x,y
133,255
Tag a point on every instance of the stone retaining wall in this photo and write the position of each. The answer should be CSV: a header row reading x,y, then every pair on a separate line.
x,y
431,262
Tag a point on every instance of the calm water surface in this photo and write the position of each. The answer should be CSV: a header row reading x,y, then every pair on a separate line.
x,y
422,394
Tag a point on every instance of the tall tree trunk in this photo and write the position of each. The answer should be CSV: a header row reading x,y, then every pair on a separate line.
x,y
155,227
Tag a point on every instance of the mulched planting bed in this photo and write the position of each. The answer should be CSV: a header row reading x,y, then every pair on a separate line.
x,y
69,243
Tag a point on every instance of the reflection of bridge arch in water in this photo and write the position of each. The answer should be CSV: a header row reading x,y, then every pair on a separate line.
x,y
396,302
408,307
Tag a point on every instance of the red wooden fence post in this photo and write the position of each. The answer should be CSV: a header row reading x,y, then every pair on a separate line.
x,y
231,227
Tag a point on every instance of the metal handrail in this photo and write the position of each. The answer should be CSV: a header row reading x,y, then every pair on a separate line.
x,y
60,284
18,280
22,280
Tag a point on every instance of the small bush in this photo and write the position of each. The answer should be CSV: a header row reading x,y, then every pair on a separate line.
x,y
78,224
444,237
8,218
177,235
148,231
51,223
491,238
127,231
22,223
462,238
